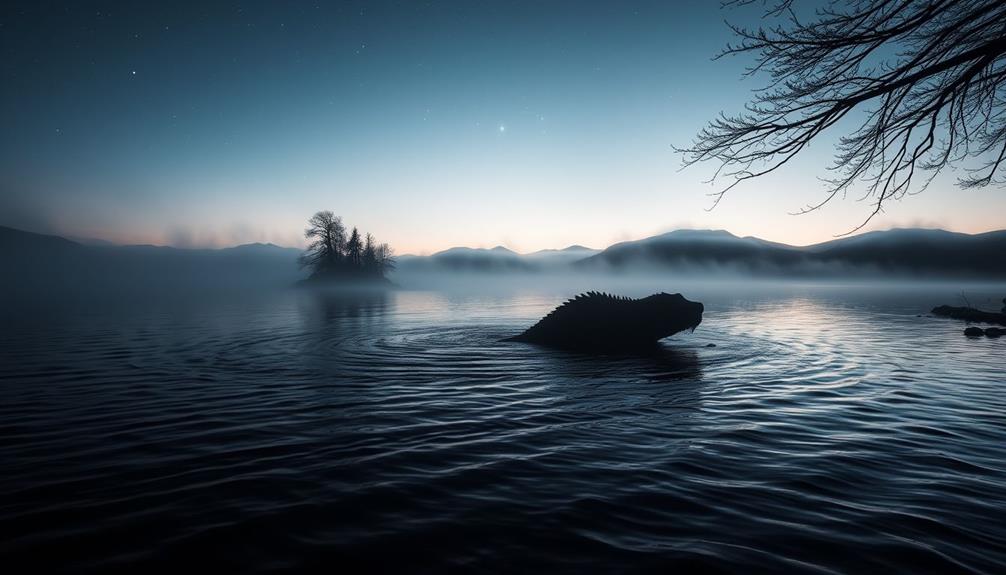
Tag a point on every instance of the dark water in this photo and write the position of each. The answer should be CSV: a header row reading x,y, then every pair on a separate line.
x,y
830,430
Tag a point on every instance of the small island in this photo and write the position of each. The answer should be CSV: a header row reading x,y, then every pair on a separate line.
x,y
336,259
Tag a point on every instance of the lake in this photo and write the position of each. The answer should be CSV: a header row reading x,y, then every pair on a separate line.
x,y
832,428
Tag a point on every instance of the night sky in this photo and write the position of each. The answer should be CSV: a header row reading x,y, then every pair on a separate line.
x,y
531,125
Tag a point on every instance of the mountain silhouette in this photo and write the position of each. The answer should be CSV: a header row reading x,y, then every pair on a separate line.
x,y
686,249
497,259
920,250
906,252
38,263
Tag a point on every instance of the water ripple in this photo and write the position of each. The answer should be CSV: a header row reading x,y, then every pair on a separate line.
x,y
820,433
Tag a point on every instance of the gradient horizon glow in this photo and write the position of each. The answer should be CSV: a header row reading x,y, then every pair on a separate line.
x,y
531,125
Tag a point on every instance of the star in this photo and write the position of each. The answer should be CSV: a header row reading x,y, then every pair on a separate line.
x,y
134,72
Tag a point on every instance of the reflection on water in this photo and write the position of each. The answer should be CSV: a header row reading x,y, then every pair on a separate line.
x,y
830,428
662,363
334,307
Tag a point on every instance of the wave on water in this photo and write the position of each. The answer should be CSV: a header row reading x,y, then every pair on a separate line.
x,y
819,433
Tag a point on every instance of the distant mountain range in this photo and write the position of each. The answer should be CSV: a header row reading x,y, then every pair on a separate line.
x,y
497,259
902,252
35,262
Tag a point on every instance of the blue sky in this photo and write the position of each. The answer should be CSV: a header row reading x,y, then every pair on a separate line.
x,y
527,124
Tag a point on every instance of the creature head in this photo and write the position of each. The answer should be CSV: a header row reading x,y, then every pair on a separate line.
x,y
672,313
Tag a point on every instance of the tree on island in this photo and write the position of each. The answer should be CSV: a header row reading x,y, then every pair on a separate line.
x,y
354,249
928,77
331,256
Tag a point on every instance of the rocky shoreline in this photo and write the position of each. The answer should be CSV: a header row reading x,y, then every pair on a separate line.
x,y
971,314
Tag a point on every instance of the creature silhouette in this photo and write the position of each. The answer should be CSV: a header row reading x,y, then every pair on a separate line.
x,y
602,322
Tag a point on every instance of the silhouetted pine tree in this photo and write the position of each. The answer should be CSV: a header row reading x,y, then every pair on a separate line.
x,y
354,250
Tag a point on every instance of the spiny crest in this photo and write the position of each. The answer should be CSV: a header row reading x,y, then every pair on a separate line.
x,y
588,297
597,296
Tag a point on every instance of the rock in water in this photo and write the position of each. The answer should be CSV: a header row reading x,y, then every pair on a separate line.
x,y
599,322
994,332
970,314
974,332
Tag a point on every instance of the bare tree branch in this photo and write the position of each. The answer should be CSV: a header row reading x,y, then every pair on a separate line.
x,y
927,77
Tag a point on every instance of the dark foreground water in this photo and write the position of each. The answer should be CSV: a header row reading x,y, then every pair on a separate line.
x,y
830,430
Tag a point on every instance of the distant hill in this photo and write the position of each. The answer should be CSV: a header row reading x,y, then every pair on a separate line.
x,y
899,252
694,249
495,260
38,262
911,252
921,251
564,256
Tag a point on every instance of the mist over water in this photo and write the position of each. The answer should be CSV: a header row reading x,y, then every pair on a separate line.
x,y
833,427
277,281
